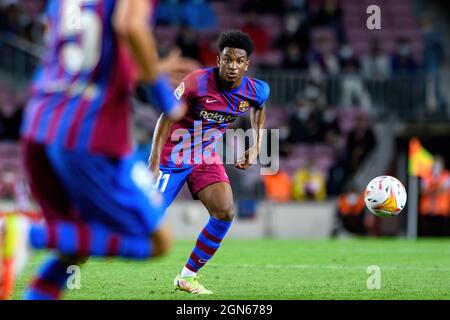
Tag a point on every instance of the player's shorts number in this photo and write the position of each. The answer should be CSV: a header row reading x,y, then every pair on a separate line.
x,y
83,56
163,180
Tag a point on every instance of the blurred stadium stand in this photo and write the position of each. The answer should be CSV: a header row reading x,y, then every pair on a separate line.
x,y
325,68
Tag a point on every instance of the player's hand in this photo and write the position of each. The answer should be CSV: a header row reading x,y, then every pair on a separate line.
x,y
154,170
248,159
177,66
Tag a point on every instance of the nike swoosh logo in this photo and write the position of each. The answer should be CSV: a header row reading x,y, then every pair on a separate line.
x,y
211,101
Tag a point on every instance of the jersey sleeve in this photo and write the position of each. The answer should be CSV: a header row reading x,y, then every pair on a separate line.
x,y
262,93
186,89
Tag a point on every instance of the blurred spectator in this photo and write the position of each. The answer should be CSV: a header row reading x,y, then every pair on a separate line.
x,y
406,89
324,59
348,61
376,65
433,60
10,118
10,19
352,215
295,30
434,211
433,55
353,89
330,15
309,183
165,45
332,131
198,14
360,142
169,13
336,178
403,62
294,59
350,209
304,124
296,6
278,187
272,7
34,31
16,20
7,184
209,51
187,41
258,34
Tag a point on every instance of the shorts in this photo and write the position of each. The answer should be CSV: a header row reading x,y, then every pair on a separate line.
x,y
95,189
198,177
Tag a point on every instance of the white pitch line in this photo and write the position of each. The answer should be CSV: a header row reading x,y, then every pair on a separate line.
x,y
289,266
333,267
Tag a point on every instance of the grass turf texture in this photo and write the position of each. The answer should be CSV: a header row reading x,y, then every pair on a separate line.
x,y
276,269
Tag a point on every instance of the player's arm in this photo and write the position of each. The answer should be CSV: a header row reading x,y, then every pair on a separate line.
x,y
258,121
160,136
131,24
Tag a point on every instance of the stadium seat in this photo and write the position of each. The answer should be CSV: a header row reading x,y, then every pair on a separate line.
x,y
398,19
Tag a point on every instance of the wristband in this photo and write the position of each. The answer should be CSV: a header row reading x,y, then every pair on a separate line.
x,y
160,95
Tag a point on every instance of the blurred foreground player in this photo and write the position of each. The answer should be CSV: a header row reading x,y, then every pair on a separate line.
x,y
216,97
96,198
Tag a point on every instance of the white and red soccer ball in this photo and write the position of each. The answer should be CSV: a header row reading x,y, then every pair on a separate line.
x,y
385,196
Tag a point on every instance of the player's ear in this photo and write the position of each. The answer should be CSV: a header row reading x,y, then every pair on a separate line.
x,y
247,65
218,61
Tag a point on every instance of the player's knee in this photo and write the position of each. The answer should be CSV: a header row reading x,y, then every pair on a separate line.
x,y
225,213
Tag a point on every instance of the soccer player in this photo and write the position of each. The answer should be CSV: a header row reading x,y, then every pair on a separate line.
x,y
96,198
215,97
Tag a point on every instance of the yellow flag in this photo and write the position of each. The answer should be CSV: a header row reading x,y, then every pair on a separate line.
x,y
420,160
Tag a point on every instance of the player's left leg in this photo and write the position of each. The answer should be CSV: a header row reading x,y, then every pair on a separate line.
x,y
210,184
112,214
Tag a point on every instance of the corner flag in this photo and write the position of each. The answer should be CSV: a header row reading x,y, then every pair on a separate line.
x,y
420,160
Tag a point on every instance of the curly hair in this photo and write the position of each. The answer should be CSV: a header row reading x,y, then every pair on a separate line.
x,y
235,39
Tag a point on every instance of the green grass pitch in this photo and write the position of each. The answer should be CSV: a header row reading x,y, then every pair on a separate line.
x,y
276,269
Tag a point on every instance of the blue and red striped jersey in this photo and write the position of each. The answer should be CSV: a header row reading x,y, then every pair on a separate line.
x,y
211,111
80,95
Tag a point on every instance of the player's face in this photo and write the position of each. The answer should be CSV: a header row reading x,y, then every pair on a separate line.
x,y
233,63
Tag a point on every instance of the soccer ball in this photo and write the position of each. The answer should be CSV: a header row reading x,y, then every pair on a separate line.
x,y
385,196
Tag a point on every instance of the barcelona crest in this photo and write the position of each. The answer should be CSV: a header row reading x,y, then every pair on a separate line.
x,y
243,106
